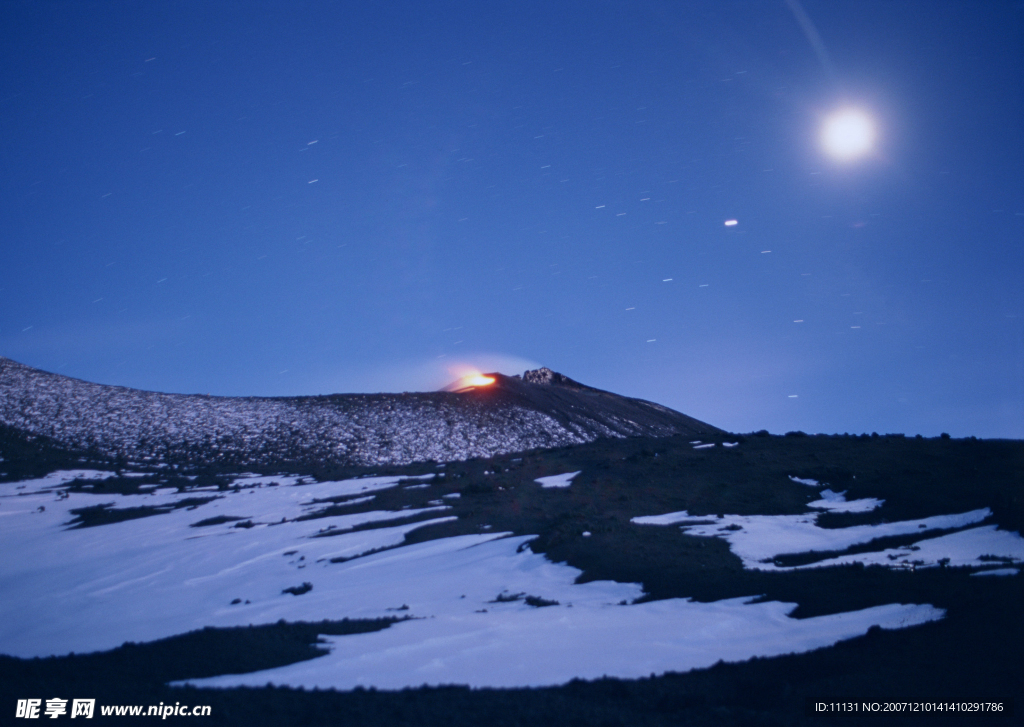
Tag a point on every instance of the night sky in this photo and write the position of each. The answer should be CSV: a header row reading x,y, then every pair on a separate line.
x,y
245,198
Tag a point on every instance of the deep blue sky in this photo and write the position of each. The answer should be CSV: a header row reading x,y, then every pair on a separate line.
x,y
298,198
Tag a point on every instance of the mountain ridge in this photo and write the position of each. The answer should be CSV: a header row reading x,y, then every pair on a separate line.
x,y
537,410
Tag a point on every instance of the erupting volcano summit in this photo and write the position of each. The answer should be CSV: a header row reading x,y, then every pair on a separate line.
x,y
540,409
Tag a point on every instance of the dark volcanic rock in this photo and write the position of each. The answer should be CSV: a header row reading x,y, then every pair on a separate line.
x,y
574,404
547,376
541,409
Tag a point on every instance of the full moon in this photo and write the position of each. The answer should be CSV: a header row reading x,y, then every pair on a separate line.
x,y
848,134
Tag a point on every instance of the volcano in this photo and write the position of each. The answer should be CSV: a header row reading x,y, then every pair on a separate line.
x,y
539,409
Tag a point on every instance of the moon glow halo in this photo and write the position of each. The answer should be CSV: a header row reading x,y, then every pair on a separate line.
x,y
848,134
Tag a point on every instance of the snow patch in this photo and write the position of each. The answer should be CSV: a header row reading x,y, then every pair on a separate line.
x,y
837,502
563,480
759,539
964,548
59,479
997,572
808,482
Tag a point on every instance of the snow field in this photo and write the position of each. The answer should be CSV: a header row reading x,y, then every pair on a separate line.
x,y
89,589
160,576
520,646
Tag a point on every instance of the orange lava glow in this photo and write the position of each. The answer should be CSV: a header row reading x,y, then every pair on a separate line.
x,y
468,377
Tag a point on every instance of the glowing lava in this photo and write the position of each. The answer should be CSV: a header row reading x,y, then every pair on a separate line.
x,y
469,378
477,380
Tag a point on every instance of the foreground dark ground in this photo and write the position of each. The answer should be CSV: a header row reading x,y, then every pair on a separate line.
x,y
974,654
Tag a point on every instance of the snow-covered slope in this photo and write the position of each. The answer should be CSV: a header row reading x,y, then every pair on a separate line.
x,y
525,570
542,409
485,610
